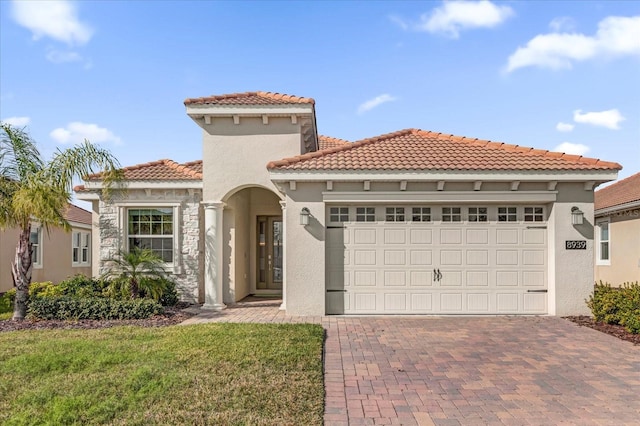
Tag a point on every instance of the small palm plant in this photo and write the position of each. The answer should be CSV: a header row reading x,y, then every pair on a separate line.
x,y
138,270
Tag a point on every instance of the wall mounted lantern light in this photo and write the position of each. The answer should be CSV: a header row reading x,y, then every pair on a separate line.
x,y
577,216
304,216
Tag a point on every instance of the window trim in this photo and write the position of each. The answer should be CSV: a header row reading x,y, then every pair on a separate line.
x,y
340,214
366,215
478,214
423,212
599,241
507,214
534,214
395,214
451,214
85,237
37,247
174,235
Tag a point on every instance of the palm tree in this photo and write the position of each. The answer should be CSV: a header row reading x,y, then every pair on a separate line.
x,y
35,190
136,268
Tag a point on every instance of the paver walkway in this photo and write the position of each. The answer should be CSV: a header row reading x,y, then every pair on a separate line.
x,y
467,370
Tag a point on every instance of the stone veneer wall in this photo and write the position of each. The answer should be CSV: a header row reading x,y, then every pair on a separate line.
x,y
188,264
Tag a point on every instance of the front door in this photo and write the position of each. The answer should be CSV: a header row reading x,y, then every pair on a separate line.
x,y
270,243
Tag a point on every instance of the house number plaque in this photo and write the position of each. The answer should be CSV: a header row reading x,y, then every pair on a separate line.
x,y
575,245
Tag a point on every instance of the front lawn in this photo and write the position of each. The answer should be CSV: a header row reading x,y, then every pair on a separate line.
x,y
258,374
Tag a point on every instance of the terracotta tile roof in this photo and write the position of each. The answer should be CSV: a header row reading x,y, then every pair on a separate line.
x,y
250,98
77,214
622,192
160,170
414,149
327,142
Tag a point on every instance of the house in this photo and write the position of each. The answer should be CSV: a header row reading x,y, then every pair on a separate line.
x,y
617,232
410,222
57,254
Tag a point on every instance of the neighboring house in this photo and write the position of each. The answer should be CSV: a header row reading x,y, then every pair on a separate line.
x,y
617,233
411,222
57,254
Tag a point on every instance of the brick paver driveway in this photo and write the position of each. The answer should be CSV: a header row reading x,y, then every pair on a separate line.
x,y
467,370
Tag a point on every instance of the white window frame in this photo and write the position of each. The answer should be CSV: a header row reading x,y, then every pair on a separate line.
x,y
37,246
339,214
600,241
365,214
453,212
394,214
81,241
510,214
478,214
534,215
173,235
423,214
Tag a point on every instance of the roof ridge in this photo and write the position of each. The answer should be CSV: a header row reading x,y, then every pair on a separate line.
x,y
182,168
333,139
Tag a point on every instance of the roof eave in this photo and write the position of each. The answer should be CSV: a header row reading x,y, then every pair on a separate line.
x,y
605,211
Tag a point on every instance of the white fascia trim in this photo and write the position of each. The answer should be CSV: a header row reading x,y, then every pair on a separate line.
x,y
147,203
87,196
618,208
79,225
444,196
435,175
149,185
199,111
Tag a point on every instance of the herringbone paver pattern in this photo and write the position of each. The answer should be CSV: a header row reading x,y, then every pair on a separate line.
x,y
467,370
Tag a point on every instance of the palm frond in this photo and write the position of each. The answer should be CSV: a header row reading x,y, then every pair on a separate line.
x,y
19,155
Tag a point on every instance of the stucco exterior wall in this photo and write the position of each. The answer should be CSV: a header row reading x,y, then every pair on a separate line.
x,y
571,273
624,249
56,252
188,247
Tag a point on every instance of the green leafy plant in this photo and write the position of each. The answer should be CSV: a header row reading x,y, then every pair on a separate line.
x,y
617,305
70,308
139,270
82,286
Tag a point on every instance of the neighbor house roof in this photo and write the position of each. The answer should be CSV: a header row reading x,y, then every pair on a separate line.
x,y
160,170
77,214
250,98
414,149
327,142
622,192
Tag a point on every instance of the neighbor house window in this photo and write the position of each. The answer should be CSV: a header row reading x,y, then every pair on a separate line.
x,y
451,214
394,214
36,244
477,214
421,214
80,250
365,214
603,243
507,214
534,214
152,229
339,214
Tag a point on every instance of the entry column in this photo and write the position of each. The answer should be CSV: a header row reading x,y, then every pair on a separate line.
x,y
283,205
213,255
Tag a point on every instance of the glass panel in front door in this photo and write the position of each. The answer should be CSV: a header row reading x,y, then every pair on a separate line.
x,y
276,228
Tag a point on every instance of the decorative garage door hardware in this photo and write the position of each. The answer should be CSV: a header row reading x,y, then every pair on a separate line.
x,y
437,275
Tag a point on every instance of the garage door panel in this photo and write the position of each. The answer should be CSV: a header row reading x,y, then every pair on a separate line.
x,y
477,236
507,278
395,257
451,236
451,302
533,257
421,257
395,236
364,278
478,257
420,236
534,236
364,257
395,302
533,278
478,302
394,278
535,302
451,257
450,278
421,302
477,279
364,236
364,302
507,257
507,302
421,278
507,236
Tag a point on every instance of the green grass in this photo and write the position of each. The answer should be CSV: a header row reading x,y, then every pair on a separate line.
x,y
257,374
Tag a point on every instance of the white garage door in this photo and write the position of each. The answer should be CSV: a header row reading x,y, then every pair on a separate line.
x,y
426,268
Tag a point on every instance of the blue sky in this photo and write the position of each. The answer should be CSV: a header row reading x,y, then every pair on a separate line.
x,y
551,75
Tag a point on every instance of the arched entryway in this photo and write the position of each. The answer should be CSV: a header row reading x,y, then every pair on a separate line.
x,y
253,244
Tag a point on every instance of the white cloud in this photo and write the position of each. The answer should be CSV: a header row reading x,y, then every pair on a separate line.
x,y
610,119
59,57
57,19
399,21
572,148
616,36
77,132
17,121
372,103
455,16
563,23
564,127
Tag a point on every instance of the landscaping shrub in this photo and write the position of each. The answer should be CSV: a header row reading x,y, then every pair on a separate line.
x,y
617,305
70,308
81,286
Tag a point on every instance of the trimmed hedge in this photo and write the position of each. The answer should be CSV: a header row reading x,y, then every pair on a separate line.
x,y
617,305
71,308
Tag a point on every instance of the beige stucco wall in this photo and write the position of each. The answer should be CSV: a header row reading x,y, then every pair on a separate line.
x,y
624,249
56,257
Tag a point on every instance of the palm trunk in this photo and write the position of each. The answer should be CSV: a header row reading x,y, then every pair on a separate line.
x,y
21,269
135,289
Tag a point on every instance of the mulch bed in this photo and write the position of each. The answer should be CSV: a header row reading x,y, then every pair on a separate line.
x,y
612,329
172,315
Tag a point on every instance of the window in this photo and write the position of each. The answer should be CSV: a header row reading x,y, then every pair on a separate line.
x,y
451,214
365,214
477,214
421,214
36,243
152,229
507,214
80,248
395,214
339,214
603,243
534,214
